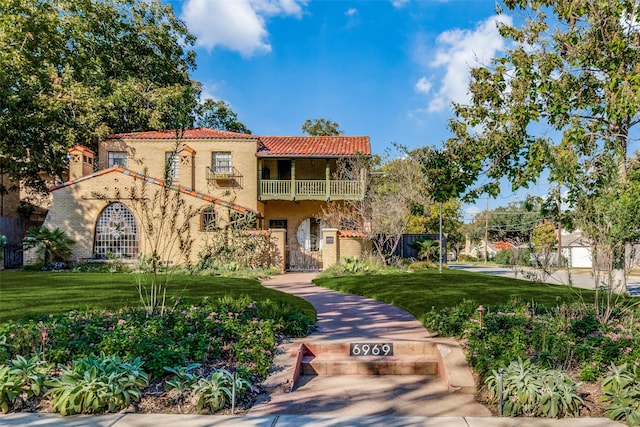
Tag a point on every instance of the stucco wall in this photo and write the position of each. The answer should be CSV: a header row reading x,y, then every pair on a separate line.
x,y
151,154
293,212
76,208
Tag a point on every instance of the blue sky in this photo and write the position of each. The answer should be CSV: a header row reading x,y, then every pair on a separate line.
x,y
388,69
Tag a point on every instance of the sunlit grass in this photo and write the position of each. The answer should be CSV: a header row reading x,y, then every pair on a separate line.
x,y
36,293
421,291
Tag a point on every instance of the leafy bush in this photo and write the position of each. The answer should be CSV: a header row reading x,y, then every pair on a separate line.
x,y
183,381
235,250
21,379
621,388
51,245
529,390
216,392
503,257
96,384
352,266
427,248
567,336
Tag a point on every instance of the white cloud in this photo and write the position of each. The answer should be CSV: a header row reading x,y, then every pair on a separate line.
x,y
238,25
399,3
351,11
423,85
456,52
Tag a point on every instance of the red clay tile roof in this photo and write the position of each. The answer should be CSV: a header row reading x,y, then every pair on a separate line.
x,y
195,133
181,189
82,148
351,233
321,146
271,146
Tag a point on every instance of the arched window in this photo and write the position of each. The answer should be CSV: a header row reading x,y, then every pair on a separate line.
x,y
208,219
309,234
116,233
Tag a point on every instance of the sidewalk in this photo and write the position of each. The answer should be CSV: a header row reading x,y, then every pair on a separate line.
x,y
155,420
356,401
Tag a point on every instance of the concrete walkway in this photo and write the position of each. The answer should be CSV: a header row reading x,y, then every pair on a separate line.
x,y
335,401
343,317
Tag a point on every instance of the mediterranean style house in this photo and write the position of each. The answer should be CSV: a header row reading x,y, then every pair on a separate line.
x,y
276,183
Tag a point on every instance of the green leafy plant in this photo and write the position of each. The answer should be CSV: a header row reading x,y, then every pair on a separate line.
x,y
21,379
51,245
95,384
9,388
529,390
622,394
427,248
216,391
31,374
183,382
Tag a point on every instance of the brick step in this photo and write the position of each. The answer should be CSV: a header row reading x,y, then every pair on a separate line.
x,y
368,365
403,348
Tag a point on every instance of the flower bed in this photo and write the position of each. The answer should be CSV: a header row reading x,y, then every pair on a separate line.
x,y
225,335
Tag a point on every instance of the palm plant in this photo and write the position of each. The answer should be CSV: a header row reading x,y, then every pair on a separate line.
x,y
52,245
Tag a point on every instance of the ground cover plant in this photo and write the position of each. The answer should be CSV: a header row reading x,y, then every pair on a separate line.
x,y
98,360
39,293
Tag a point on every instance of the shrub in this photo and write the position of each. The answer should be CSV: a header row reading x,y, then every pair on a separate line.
x,y
183,335
532,391
96,384
352,266
621,389
21,379
51,245
216,392
503,257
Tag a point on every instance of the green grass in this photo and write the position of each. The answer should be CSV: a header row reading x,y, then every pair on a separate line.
x,y
421,291
25,294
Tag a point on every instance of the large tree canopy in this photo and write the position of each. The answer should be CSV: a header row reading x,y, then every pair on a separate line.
x,y
565,97
321,127
72,71
218,115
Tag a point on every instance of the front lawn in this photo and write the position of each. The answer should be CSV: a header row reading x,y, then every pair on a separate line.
x,y
36,293
421,291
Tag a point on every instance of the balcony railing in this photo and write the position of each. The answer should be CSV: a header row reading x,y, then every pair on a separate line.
x,y
224,175
310,189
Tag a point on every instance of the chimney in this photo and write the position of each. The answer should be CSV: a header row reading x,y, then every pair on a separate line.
x,y
80,162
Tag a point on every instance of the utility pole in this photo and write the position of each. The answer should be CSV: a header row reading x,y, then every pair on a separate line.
x,y
559,260
440,269
486,232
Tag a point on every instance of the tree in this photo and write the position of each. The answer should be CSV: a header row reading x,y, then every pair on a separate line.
x,y
72,71
564,97
321,127
543,240
391,194
218,115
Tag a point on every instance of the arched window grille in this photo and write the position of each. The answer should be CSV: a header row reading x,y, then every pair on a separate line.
x,y
116,233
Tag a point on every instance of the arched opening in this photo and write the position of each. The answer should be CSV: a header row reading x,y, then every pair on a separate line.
x,y
116,233
309,234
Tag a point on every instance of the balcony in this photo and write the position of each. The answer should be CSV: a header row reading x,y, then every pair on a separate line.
x,y
224,176
310,189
